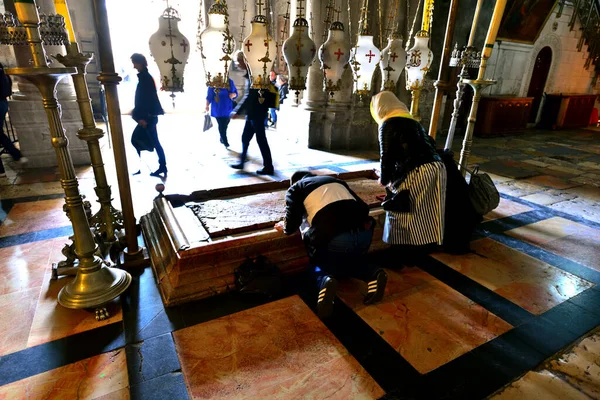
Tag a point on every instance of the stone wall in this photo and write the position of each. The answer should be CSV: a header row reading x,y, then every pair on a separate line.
x,y
511,64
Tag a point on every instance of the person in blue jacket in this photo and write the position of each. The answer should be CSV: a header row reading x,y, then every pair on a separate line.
x,y
221,105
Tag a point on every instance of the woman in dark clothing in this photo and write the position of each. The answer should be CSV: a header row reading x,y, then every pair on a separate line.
x,y
147,109
409,164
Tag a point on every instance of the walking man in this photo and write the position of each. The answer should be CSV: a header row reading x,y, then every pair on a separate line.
x,y
147,108
5,93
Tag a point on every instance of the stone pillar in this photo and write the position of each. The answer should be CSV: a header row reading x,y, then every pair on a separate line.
x,y
28,116
340,124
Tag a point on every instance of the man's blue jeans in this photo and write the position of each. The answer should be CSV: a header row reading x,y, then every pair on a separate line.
x,y
345,257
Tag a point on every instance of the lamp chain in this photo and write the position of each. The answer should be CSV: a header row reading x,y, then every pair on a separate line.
x,y
284,34
243,24
412,28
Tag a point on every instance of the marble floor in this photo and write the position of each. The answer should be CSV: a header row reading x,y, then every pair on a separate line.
x,y
514,318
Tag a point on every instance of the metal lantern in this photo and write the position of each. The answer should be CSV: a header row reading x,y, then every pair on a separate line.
x,y
366,57
171,50
418,61
299,52
393,60
217,45
260,52
334,55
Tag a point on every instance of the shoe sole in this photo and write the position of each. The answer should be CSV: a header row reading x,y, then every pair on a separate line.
x,y
381,283
325,307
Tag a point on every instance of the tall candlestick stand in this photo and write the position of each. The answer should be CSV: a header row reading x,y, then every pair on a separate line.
x,y
441,85
95,284
414,103
107,223
468,58
133,254
479,84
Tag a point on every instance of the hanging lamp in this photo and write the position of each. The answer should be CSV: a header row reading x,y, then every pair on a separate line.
x,y
365,56
299,52
334,55
171,50
259,50
393,61
418,62
217,45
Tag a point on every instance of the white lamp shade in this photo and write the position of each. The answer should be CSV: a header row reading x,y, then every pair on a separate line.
x,y
393,60
260,51
366,59
418,61
217,46
334,55
171,60
299,52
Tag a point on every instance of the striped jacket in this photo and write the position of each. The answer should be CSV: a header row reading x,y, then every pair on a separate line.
x,y
326,207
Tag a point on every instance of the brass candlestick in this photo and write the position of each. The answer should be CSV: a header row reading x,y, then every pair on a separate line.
x,y
108,221
133,254
414,102
95,284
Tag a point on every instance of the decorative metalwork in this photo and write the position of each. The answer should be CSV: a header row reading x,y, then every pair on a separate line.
x,y
53,31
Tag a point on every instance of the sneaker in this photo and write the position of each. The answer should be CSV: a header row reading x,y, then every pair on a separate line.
x,y
376,287
327,291
237,166
2,174
137,173
266,171
160,170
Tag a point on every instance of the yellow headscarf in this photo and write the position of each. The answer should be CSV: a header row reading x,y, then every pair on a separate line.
x,y
385,105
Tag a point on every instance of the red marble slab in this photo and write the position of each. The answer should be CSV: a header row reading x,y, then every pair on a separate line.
x,y
426,321
99,377
278,350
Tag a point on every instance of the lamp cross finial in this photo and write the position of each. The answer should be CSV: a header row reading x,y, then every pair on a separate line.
x,y
299,8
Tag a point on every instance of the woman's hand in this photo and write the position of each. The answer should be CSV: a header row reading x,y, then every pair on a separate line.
x,y
232,96
280,226
207,108
143,123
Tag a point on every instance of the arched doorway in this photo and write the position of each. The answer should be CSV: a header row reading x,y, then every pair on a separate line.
x,y
538,80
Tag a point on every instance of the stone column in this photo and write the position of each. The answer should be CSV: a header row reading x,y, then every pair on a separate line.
x,y
28,116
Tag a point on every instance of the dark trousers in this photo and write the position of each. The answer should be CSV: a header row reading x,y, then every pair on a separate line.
x,y
344,257
5,142
162,162
273,114
223,122
256,126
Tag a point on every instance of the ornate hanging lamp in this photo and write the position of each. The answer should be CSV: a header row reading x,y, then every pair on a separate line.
x,y
299,52
393,61
334,55
418,62
365,56
216,46
171,50
259,50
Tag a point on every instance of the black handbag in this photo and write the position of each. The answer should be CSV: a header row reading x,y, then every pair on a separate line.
x,y
207,122
398,202
141,140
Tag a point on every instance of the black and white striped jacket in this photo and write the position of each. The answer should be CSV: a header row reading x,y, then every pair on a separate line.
x,y
327,205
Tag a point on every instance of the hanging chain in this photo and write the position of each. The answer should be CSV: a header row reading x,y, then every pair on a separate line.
x,y
380,23
243,25
284,34
329,9
200,28
391,21
412,28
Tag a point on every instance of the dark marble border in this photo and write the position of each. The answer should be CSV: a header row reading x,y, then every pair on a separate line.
x,y
48,356
29,237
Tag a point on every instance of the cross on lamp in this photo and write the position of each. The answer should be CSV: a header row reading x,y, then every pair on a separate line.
x,y
393,56
370,55
339,53
248,44
184,45
259,3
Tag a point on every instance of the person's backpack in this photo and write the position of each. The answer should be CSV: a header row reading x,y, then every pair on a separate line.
x,y
258,276
482,192
5,85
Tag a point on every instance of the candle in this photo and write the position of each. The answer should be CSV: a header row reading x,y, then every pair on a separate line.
x,y
475,20
493,29
63,9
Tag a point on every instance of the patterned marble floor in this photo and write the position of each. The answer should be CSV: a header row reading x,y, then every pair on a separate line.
x,y
449,327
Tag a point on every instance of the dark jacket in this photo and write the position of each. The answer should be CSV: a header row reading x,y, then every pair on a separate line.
x,y
332,209
251,106
147,104
403,146
283,92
